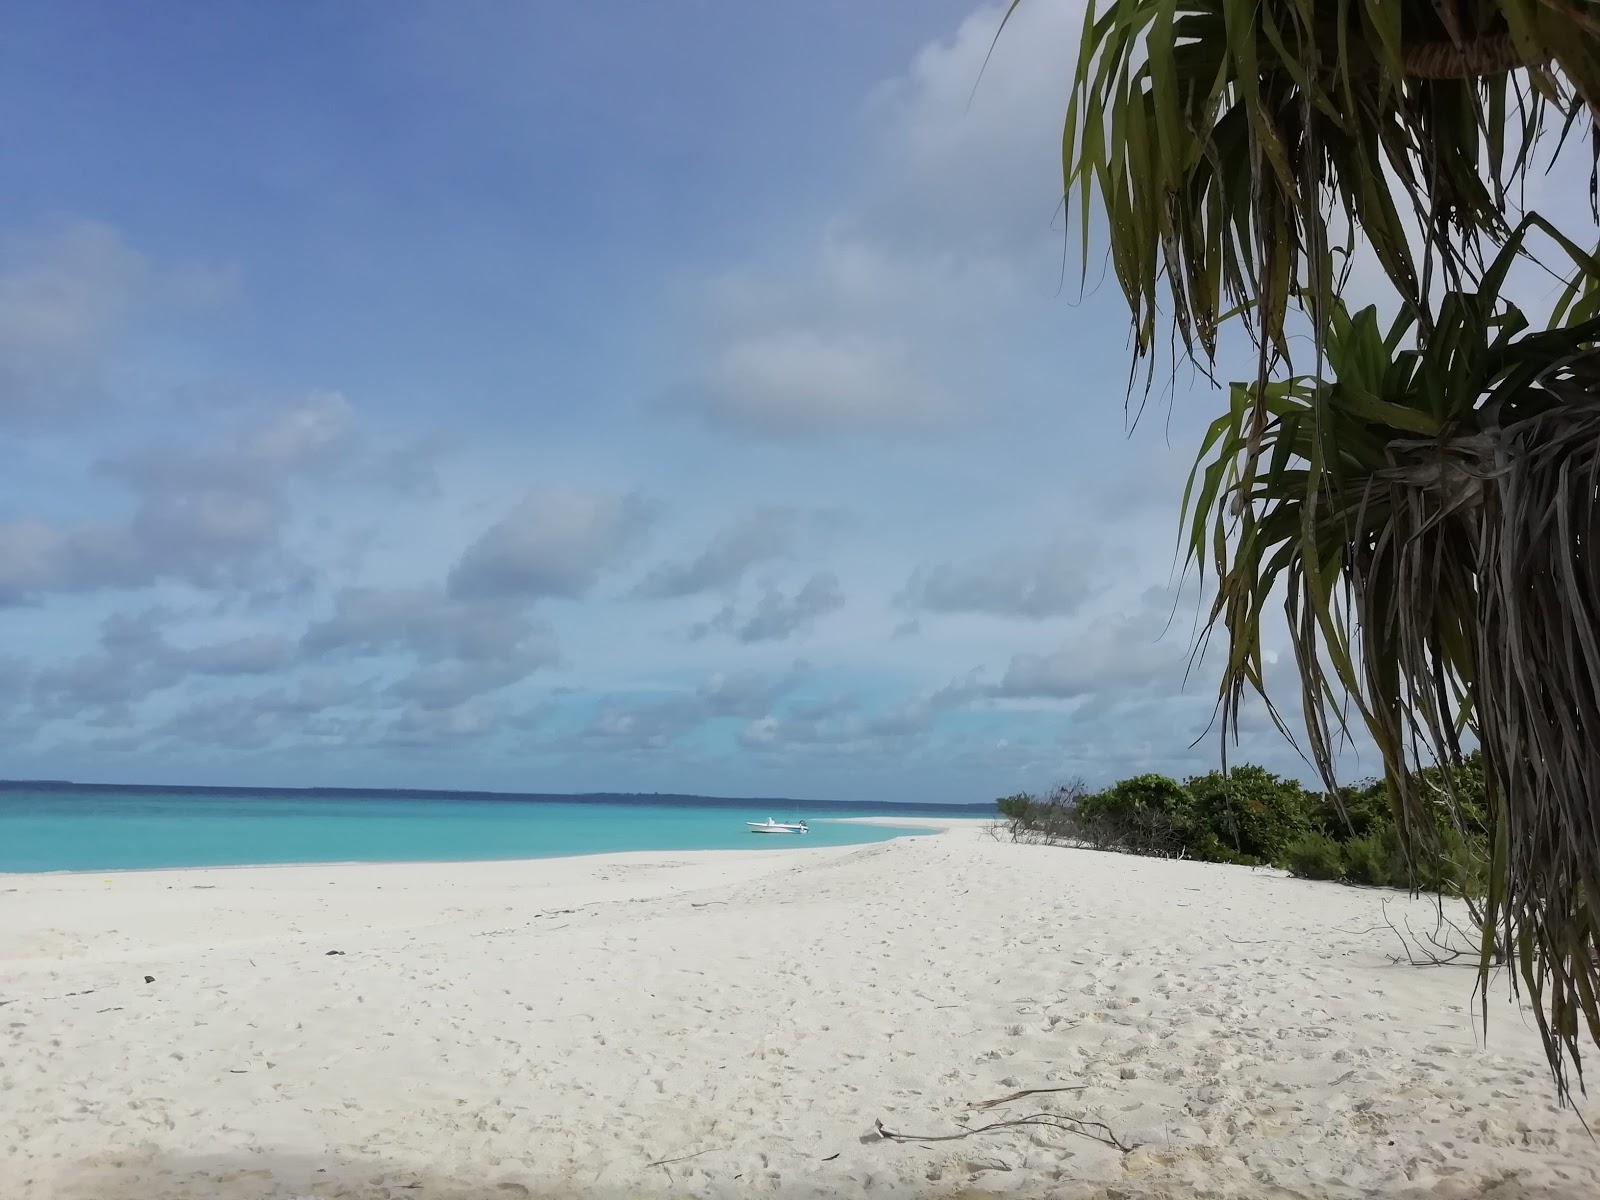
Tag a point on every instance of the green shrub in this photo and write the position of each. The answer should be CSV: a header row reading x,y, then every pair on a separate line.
x,y
1460,799
1143,815
1141,794
1251,816
1377,859
1015,808
1049,819
1251,813
1315,856
1218,853
1456,864
1365,810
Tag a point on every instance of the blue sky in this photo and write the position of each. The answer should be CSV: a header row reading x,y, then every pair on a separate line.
x,y
617,396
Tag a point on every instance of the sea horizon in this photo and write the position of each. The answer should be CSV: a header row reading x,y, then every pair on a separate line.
x,y
59,825
691,799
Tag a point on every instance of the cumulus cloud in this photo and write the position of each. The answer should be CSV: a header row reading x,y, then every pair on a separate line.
x,y
64,294
874,328
255,721
1048,581
786,383
63,290
412,467
443,685
16,675
257,654
911,311
37,556
294,439
211,516
554,543
248,722
778,615
461,648
826,707
758,536
835,726
917,715
422,621
969,141
135,659
426,727
746,695
1141,649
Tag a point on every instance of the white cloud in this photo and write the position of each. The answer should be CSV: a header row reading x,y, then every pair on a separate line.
x,y
68,290
304,433
425,727
429,624
209,515
301,716
758,536
876,327
65,294
905,356
554,543
1052,580
460,649
836,726
1143,649
971,153
451,684
801,382
778,615
659,725
135,658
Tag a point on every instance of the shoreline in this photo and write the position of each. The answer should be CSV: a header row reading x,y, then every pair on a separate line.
x,y
935,824
914,826
559,1027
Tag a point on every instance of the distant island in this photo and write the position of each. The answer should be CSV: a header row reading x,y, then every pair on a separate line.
x,y
655,799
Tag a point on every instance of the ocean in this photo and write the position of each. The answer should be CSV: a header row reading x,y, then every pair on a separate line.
x,y
68,828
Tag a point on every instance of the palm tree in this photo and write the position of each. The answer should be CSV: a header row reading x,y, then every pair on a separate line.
x,y
1423,494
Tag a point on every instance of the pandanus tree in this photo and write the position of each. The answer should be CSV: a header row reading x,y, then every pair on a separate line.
x,y
1417,489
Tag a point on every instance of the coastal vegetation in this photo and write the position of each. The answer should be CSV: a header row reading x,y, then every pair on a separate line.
x,y
1413,481
1253,817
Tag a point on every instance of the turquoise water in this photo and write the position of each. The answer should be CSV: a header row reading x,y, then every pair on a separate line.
x,y
104,831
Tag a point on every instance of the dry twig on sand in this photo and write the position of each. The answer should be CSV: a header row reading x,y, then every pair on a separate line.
x,y
663,1162
1024,1092
1095,1131
1446,945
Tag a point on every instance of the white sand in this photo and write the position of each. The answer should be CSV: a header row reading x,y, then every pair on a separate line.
x,y
553,1028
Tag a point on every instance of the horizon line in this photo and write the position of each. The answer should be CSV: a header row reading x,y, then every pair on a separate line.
x,y
463,793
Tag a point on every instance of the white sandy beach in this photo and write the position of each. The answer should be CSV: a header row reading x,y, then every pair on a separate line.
x,y
558,1028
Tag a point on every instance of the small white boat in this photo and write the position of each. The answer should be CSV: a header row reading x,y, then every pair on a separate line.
x,y
771,826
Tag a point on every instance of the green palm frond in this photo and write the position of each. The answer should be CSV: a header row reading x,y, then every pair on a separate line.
x,y
1424,497
1232,143
1427,512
